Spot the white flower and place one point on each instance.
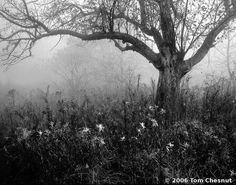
(154, 123)
(100, 127)
(215, 137)
(86, 129)
(151, 108)
(139, 130)
(25, 133)
(162, 111)
(99, 140)
(86, 166)
(47, 132)
(102, 142)
(169, 146)
(51, 124)
(232, 173)
(186, 133)
(40, 132)
(123, 138)
(135, 138)
(186, 145)
(142, 125)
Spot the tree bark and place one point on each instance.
(168, 87)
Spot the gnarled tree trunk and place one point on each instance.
(168, 87)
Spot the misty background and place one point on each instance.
(68, 64)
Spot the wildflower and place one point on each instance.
(51, 124)
(127, 103)
(139, 130)
(66, 125)
(152, 155)
(142, 125)
(166, 172)
(232, 173)
(86, 129)
(25, 133)
(5, 149)
(100, 127)
(169, 146)
(47, 132)
(102, 142)
(151, 108)
(162, 111)
(186, 133)
(40, 132)
(98, 140)
(135, 138)
(215, 137)
(186, 145)
(123, 138)
(154, 123)
(86, 166)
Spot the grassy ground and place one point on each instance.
(115, 140)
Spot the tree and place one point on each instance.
(176, 27)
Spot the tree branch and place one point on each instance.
(150, 32)
(137, 45)
(182, 30)
(208, 42)
(167, 25)
(143, 12)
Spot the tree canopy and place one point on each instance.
(180, 25)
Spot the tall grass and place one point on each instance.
(112, 139)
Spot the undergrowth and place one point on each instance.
(128, 141)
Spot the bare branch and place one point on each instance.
(176, 24)
(208, 42)
(126, 38)
(167, 25)
(126, 48)
(143, 12)
(183, 27)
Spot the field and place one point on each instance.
(113, 139)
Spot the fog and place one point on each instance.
(34, 71)
(43, 68)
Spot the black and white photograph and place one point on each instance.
(117, 92)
